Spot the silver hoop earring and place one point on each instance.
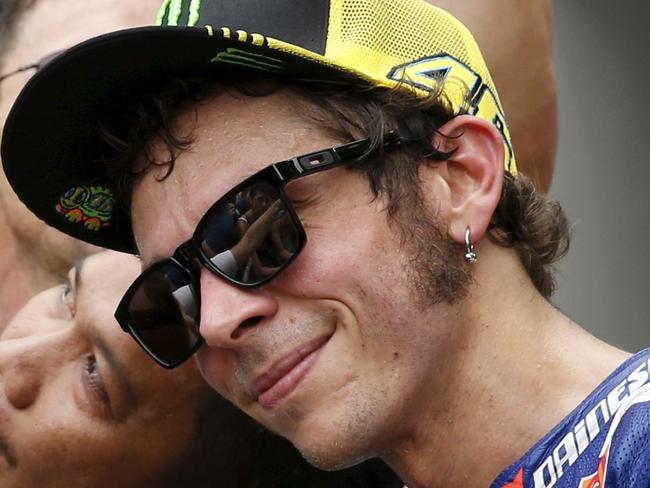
(470, 255)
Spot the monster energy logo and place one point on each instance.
(171, 11)
(249, 60)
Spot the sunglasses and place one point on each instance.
(38, 65)
(248, 237)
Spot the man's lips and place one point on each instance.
(285, 375)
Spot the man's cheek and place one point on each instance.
(323, 267)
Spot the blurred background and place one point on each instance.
(603, 167)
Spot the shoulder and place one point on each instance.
(604, 442)
(627, 447)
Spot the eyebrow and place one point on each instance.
(78, 266)
(119, 371)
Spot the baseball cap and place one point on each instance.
(52, 148)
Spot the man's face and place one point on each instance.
(331, 353)
(47, 27)
(80, 403)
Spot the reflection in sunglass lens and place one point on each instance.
(164, 313)
(250, 235)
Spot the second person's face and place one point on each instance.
(80, 404)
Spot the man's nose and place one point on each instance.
(228, 313)
(27, 362)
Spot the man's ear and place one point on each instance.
(469, 183)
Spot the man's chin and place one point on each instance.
(329, 459)
(334, 450)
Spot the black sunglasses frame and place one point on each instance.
(38, 65)
(189, 253)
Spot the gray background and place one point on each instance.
(603, 168)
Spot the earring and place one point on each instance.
(470, 255)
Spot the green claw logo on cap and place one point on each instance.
(90, 205)
(171, 11)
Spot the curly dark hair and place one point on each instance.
(525, 219)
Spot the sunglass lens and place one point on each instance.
(164, 313)
(250, 236)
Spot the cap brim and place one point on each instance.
(52, 143)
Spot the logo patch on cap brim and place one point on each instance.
(90, 206)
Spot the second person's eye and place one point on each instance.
(94, 387)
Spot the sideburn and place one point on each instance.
(437, 270)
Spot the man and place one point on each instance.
(409, 317)
(82, 405)
(35, 256)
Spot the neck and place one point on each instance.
(520, 367)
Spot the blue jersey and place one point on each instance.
(603, 443)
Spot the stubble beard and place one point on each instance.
(437, 270)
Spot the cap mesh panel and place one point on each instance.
(381, 34)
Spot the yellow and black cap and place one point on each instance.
(52, 148)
